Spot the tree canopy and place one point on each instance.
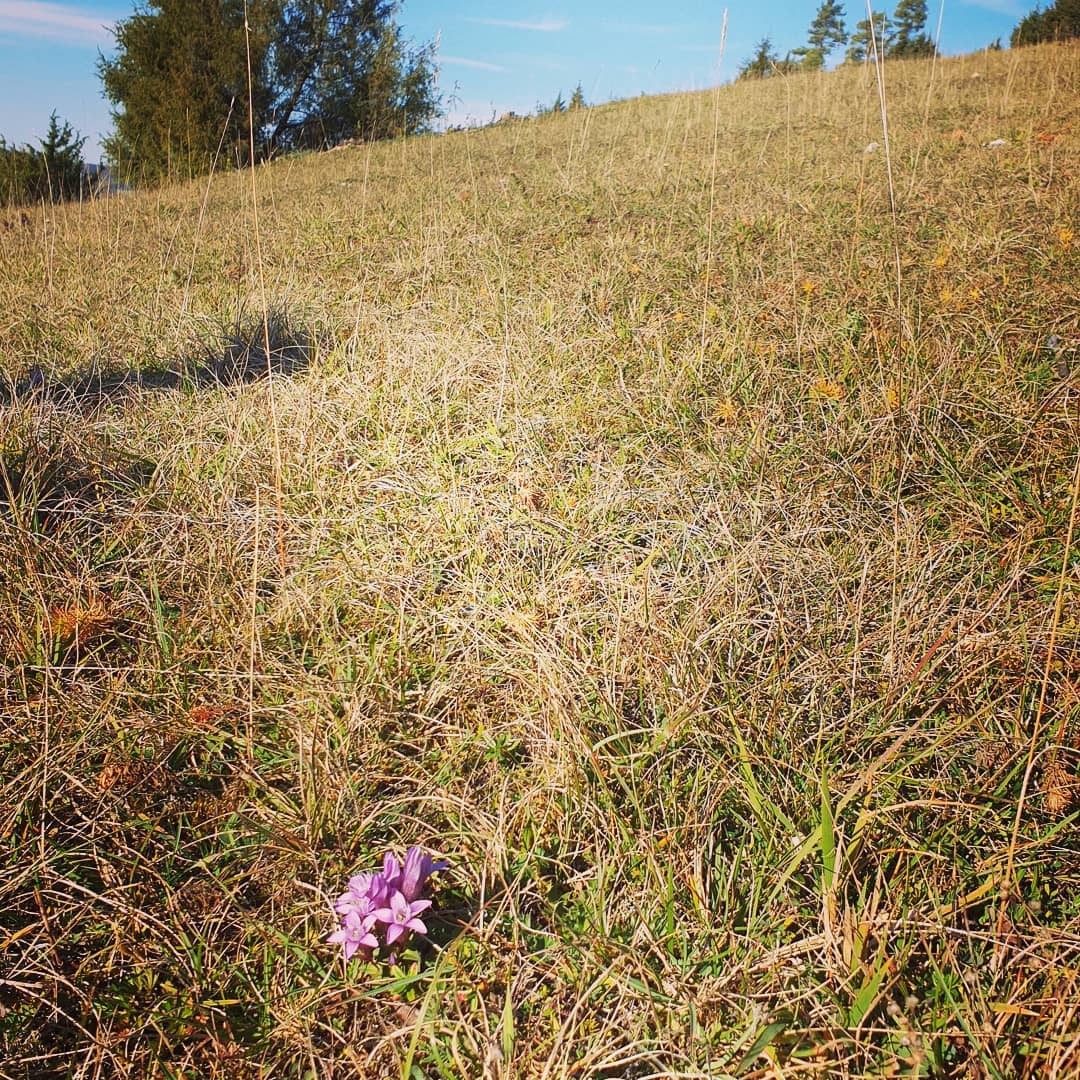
(825, 33)
(762, 64)
(179, 85)
(869, 37)
(321, 71)
(909, 40)
(51, 171)
(341, 69)
(1057, 23)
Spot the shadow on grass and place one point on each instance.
(51, 477)
(53, 469)
(255, 349)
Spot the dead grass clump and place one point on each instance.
(57, 477)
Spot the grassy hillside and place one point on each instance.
(647, 513)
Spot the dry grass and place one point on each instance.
(686, 587)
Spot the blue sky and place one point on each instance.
(494, 56)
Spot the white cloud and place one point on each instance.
(547, 26)
(461, 61)
(33, 18)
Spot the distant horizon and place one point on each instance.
(492, 58)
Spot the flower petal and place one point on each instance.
(359, 883)
(391, 870)
(378, 890)
(414, 873)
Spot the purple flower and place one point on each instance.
(419, 866)
(381, 907)
(391, 870)
(366, 893)
(400, 917)
(355, 933)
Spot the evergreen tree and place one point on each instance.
(826, 32)
(179, 85)
(51, 172)
(762, 64)
(577, 99)
(61, 156)
(909, 39)
(322, 71)
(18, 174)
(1059, 22)
(862, 44)
(341, 69)
(1030, 30)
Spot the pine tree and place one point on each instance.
(179, 85)
(341, 69)
(322, 71)
(862, 43)
(762, 64)
(61, 157)
(577, 99)
(52, 171)
(909, 39)
(826, 32)
(1059, 22)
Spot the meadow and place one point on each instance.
(663, 511)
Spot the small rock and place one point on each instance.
(871, 147)
(995, 144)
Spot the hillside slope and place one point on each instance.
(663, 511)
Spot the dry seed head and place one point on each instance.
(993, 753)
(1059, 789)
(826, 390)
(81, 622)
(727, 410)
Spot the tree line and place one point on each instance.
(199, 83)
(196, 84)
(901, 36)
(1057, 23)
